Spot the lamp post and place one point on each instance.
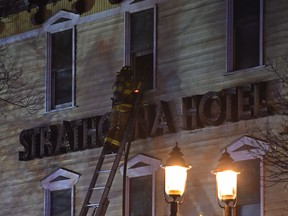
(226, 180)
(175, 179)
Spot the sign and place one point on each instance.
(228, 105)
(210, 109)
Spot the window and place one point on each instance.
(61, 68)
(244, 34)
(140, 171)
(249, 190)
(60, 202)
(60, 60)
(59, 193)
(140, 46)
(248, 195)
(138, 192)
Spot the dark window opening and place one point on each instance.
(248, 188)
(142, 44)
(246, 22)
(143, 65)
(61, 202)
(61, 68)
(63, 86)
(141, 197)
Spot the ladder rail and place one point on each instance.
(84, 208)
(114, 169)
(126, 138)
(101, 208)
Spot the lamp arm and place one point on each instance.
(222, 206)
(219, 204)
(172, 199)
(182, 200)
(235, 202)
(166, 199)
(165, 195)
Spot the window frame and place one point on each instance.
(151, 168)
(50, 27)
(247, 148)
(50, 184)
(133, 8)
(230, 36)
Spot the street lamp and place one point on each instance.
(175, 179)
(226, 179)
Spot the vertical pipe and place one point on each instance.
(174, 208)
(227, 210)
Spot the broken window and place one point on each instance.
(141, 42)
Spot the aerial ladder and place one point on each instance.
(99, 192)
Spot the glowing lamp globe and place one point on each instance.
(226, 179)
(175, 173)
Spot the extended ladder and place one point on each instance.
(99, 208)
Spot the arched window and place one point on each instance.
(60, 60)
(245, 152)
(59, 192)
(141, 171)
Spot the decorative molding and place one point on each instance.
(246, 148)
(123, 7)
(137, 166)
(59, 179)
(60, 21)
(148, 166)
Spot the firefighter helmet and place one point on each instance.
(127, 72)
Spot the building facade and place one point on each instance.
(208, 78)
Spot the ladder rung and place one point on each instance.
(110, 154)
(101, 207)
(103, 171)
(95, 205)
(98, 188)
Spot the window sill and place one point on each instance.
(60, 109)
(247, 70)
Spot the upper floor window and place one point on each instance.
(140, 45)
(60, 60)
(249, 190)
(59, 193)
(244, 34)
(140, 171)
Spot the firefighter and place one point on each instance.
(122, 105)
